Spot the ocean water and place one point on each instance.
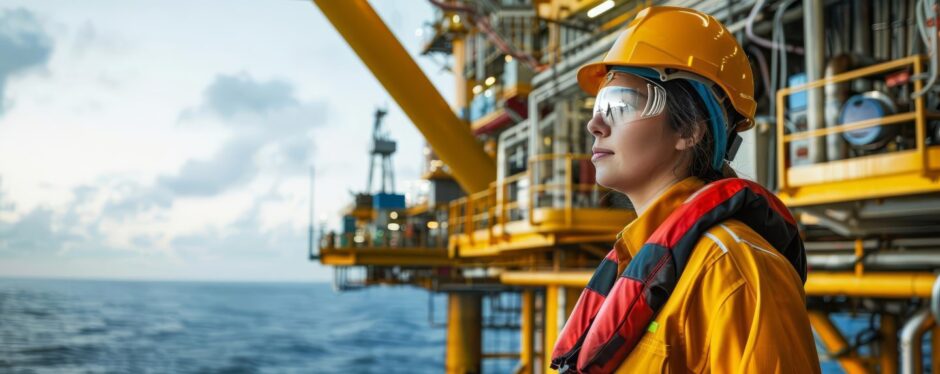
(63, 326)
(66, 326)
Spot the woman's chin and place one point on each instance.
(606, 181)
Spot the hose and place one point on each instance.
(749, 31)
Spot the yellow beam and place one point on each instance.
(385, 256)
(573, 278)
(835, 344)
(464, 333)
(450, 137)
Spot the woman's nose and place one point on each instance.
(597, 127)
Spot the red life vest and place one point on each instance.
(613, 311)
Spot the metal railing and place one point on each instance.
(568, 185)
(410, 234)
(918, 116)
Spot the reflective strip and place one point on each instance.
(739, 240)
(717, 241)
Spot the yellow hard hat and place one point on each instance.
(686, 40)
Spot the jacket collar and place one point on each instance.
(635, 234)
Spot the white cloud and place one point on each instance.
(148, 151)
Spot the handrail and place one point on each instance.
(918, 115)
(491, 209)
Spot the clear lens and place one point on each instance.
(620, 105)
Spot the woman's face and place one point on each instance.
(627, 154)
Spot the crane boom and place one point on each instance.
(388, 60)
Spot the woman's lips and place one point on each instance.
(600, 153)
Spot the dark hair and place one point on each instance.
(686, 112)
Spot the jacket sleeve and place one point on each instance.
(761, 328)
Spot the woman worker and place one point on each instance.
(709, 277)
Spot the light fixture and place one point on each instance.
(393, 227)
(477, 89)
(455, 18)
(490, 80)
(508, 58)
(600, 8)
(433, 225)
(393, 215)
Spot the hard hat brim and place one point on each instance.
(590, 77)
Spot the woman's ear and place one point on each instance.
(689, 141)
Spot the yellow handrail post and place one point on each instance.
(468, 223)
(919, 122)
(568, 187)
(859, 257)
(531, 205)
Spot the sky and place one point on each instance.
(172, 139)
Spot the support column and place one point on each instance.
(551, 326)
(935, 349)
(464, 333)
(527, 331)
(889, 344)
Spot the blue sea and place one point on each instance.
(65, 326)
(69, 326)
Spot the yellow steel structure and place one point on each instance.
(464, 333)
(384, 256)
(835, 344)
(898, 173)
(449, 136)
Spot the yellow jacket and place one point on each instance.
(739, 306)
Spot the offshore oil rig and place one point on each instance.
(511, 223)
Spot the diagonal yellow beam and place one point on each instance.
(449, 136)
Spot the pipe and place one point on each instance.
(815, 53)
(923, 6)
(450, 137)
(883, 285)
(911, 335)
(920, 259)
(818, 283)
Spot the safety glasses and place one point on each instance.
(618, 104)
